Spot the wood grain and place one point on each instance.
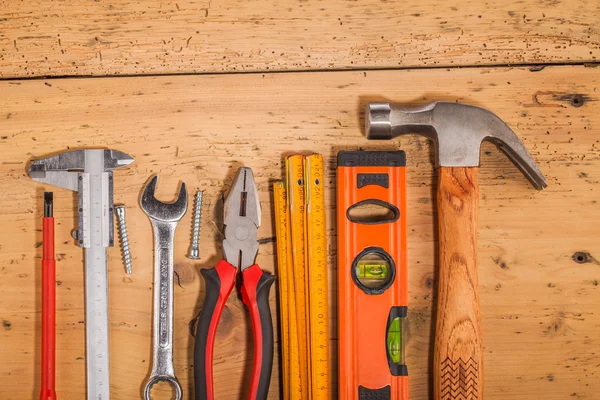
(539, 268)
(458, 349)
(50, 38)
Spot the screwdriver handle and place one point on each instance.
(255, 295)
(219, 283)
(47, 391)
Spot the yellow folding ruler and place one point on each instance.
(295, 186)
(287, 298)
(303, 280)
(317, 276)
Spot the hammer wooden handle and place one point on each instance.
(458, 352)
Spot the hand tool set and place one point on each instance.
(372, 295)
(303, 278)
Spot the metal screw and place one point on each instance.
(124, 239)
(194, 253)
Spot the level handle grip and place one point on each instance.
(255, 295)
(219, 283)
(458, 352)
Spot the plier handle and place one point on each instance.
(240, 247)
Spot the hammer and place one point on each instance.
(457, 131)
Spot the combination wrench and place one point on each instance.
(164, 218)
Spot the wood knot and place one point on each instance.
(226, 322)
(428, 282)
(225, 326)
(457, 260)
(184, 273)
(455, 202)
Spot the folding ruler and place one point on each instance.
(89, 172)
(303, 278)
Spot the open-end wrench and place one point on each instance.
(164, 218)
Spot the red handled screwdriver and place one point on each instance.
(48, 302)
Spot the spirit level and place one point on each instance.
(372, 273)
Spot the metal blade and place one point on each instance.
(242, 219)
(62, 169)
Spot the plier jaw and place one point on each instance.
(242, 219)
(240, 246)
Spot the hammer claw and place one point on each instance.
(456, 130)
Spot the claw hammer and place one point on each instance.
(457, 131)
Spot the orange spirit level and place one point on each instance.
(372, 273)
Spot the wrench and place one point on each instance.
(164, 218)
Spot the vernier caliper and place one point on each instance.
(89, 172)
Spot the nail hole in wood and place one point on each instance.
(577, 100)
(581, 257)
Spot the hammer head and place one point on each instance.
(456, 130)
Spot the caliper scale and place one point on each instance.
(89, 173)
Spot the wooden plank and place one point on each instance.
(539, 306)
(48, 38)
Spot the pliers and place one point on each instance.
(242, 215)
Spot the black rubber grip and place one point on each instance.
(382, 180)
(385, 393)
(213, 288)
(362, 158)
(266, 322)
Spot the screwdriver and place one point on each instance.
(48, 301)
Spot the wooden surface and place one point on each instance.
(92, 37)
(539, 252)
(538, 304)
(458, 351)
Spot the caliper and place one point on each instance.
(89, 173)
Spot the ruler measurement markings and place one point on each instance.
(96, 272)
(295, 176)
(290, 373)
(318, 276)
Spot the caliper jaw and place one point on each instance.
(68, 170)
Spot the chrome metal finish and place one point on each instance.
(194, 252)
(120, 210)
(242, 218)
(456, 130)
(164, 218)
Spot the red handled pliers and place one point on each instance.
(242, 219)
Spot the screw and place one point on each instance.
(124, 239)
(194, 253)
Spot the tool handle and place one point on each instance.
(255, 295)
(219, 283)
(47, 391)
(458, 353)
